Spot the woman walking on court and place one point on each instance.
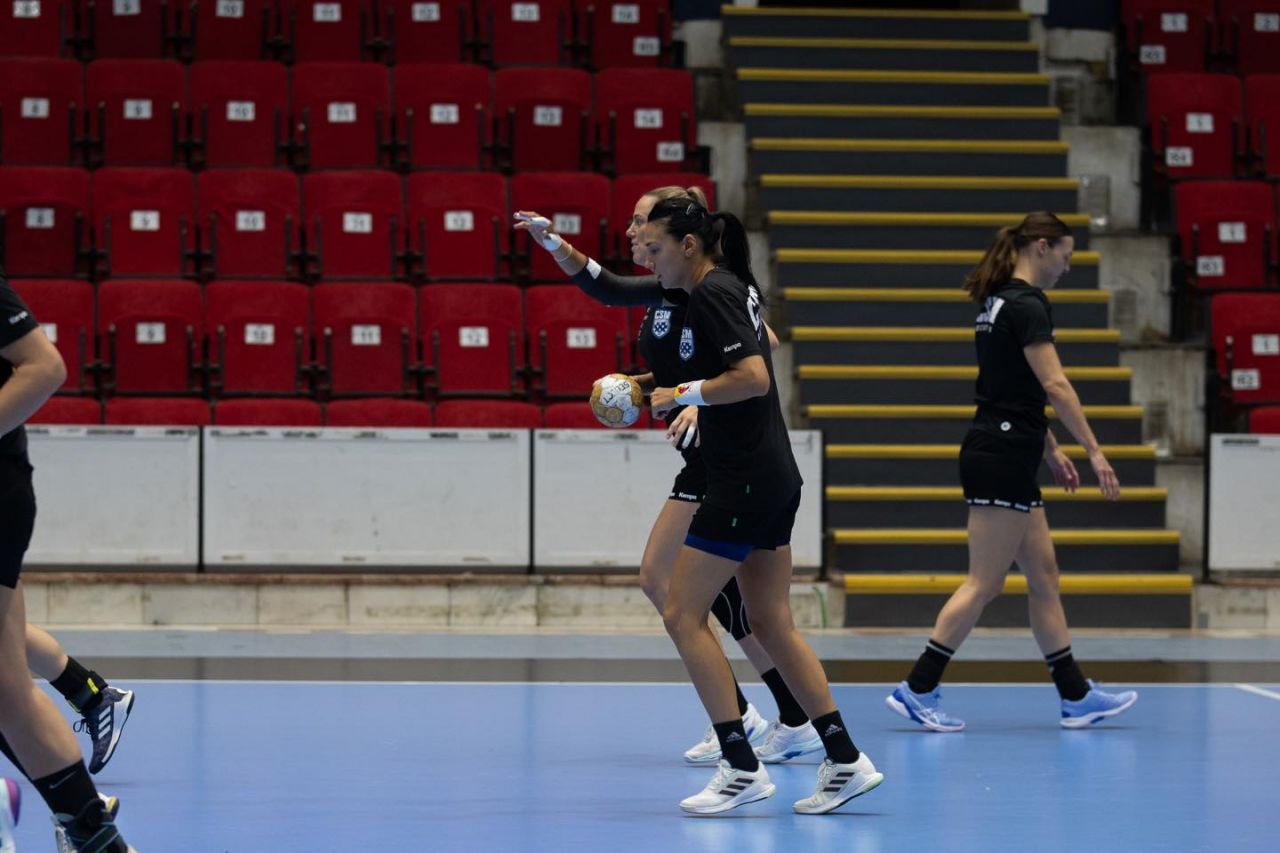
(744, 524)
(791, 735)
(1018, 374)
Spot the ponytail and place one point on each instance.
(735, 251)
(1002, 255)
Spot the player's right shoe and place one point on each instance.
(707, 750)
(728, 789)
(10, 806)
(923, 708)
(783, 743)
(104, 725)
(93, 830)
(840, 783)
(1095, 707)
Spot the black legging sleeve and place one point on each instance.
(613, 289)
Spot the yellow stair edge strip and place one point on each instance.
(844, 75)
(918, 14)
(902, 256)
(955, 493)
(941, 371)
(922, 294)
(952, 451)
(885, 44)
(889, 410)
(960, 536)
(888, 111)
(927, 220)
(1028, 147)
(930, 333)
(925, 182)
(885, 584)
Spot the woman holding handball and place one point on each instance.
(791, 735)
(753, 492)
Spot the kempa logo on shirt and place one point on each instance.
(18, 318)
(732, 347)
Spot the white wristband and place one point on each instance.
(690, 393)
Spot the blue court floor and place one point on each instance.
(266, 767)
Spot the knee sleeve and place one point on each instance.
(730, 611)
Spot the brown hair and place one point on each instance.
(997, 264)
(682, 193)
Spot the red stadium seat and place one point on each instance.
(446, 112)
(1168, 35)
(135, 108)
(1195, 124)
(523, 32)
(1245, 332)
(377, 412)
(573, 340)
(431, 31)
(258, 336)
(238, 113)
(249, 221)
(142, 219)
(543, 118)
(578, 204)
(343, 110)
(330, 30)
(364, 338)
(1251, 34)
(157, 411)
(148, 335)
(43, 220)
(1265, 420)
(68, 410)
(235, 30)
(472, 338)
(1263, 105)
(35, 28)
(644, 119)
(40, 103)
(626, 33)
(260, 412)
(1227, 232)
(460, 224)
(356, 221)
(131, 29)
(64, 308)
(627, 191)
(488, 414)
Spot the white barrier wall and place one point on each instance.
(353, 498)
(115, 496)
(1244, 503)
(597, 492)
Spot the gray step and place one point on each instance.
(922, 88)
(922, 157)
(944, 506)
(906, 306)
(875, 23)
(882, 54)
(817, 229)
(843, 121)
(917, 194)
(932, 465)
(939, 424)
(896, 268)
(921, 345)
(823, 383)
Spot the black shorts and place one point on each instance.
(734, 534)
(999, 472)
(17, 516)
(691, 483)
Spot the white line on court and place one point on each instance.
(1249, 688)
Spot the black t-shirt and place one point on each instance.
(1010, 398)
(16, 321)
(745, 445)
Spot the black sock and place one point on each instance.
(67, 791)
(928, 670)
(82, 688)
(789, 711)
(835, 738)
(1067, 676)
(734, 745)
(8, 753)
(742, 700)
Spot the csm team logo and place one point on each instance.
(686, 344)
(661, 322)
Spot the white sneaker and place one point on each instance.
(707, 750)
(783, 743)
(840, 783)
(728, 789)
(10, 806)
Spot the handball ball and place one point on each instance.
(616, 400)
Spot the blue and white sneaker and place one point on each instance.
(707, 750)
(1095, 707)
(923, 708)
(10, 806)
(783, 743)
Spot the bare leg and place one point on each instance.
(696, 581)
(45, 655)
(1044, 603)
(994, 537)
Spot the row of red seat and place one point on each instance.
(1245, 334)
(1200, 126)
(289, 412)
(596, 33)
(248, 223)
(344, 115)
(159, 336)
(1191, 35)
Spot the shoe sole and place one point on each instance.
(901, 709)
(729, 805)
(794, 752)
(116, 733)
(1096, 717)
(870, 785)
